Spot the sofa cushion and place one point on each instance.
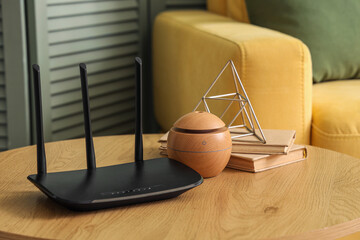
(217, 6)
(191, 47)
(330, 28)
(235, 9)
(336, 116)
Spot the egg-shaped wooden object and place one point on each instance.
(201, 141)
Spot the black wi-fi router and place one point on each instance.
(96, 188)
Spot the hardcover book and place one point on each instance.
(261, 162)
(277, 142)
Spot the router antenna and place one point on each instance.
(138, 127)
(90, 153)
(41, 157)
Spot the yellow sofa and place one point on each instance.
(191, 47)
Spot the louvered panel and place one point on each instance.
(97, 55)
(3, 144)
(56, 24)
(2, 79)
(89, 7)
(2, 105)
(95, 79)
(123, 128)
(92, 44)
(2, 118)
(104, 35)
(192, 4)
(102, 101)
(98, 125)
(3, 115)
(96, 114)
(56, 2)
(3, 130)
(2, 92)
(92, 32)
(92, 67)
(104, 89)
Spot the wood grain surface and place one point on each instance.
(314, 199)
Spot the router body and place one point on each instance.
(97, 188)
(118, 185)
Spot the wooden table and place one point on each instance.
(315, 199)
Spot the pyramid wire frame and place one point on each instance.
(242, 100)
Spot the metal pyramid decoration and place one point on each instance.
(245, 115)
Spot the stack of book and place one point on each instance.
(248, 154)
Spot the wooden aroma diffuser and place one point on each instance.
(201, 141)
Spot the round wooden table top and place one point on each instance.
(317, 198)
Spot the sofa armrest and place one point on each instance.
(191, 47)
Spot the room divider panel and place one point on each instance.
(57, 35)
(14, 95)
